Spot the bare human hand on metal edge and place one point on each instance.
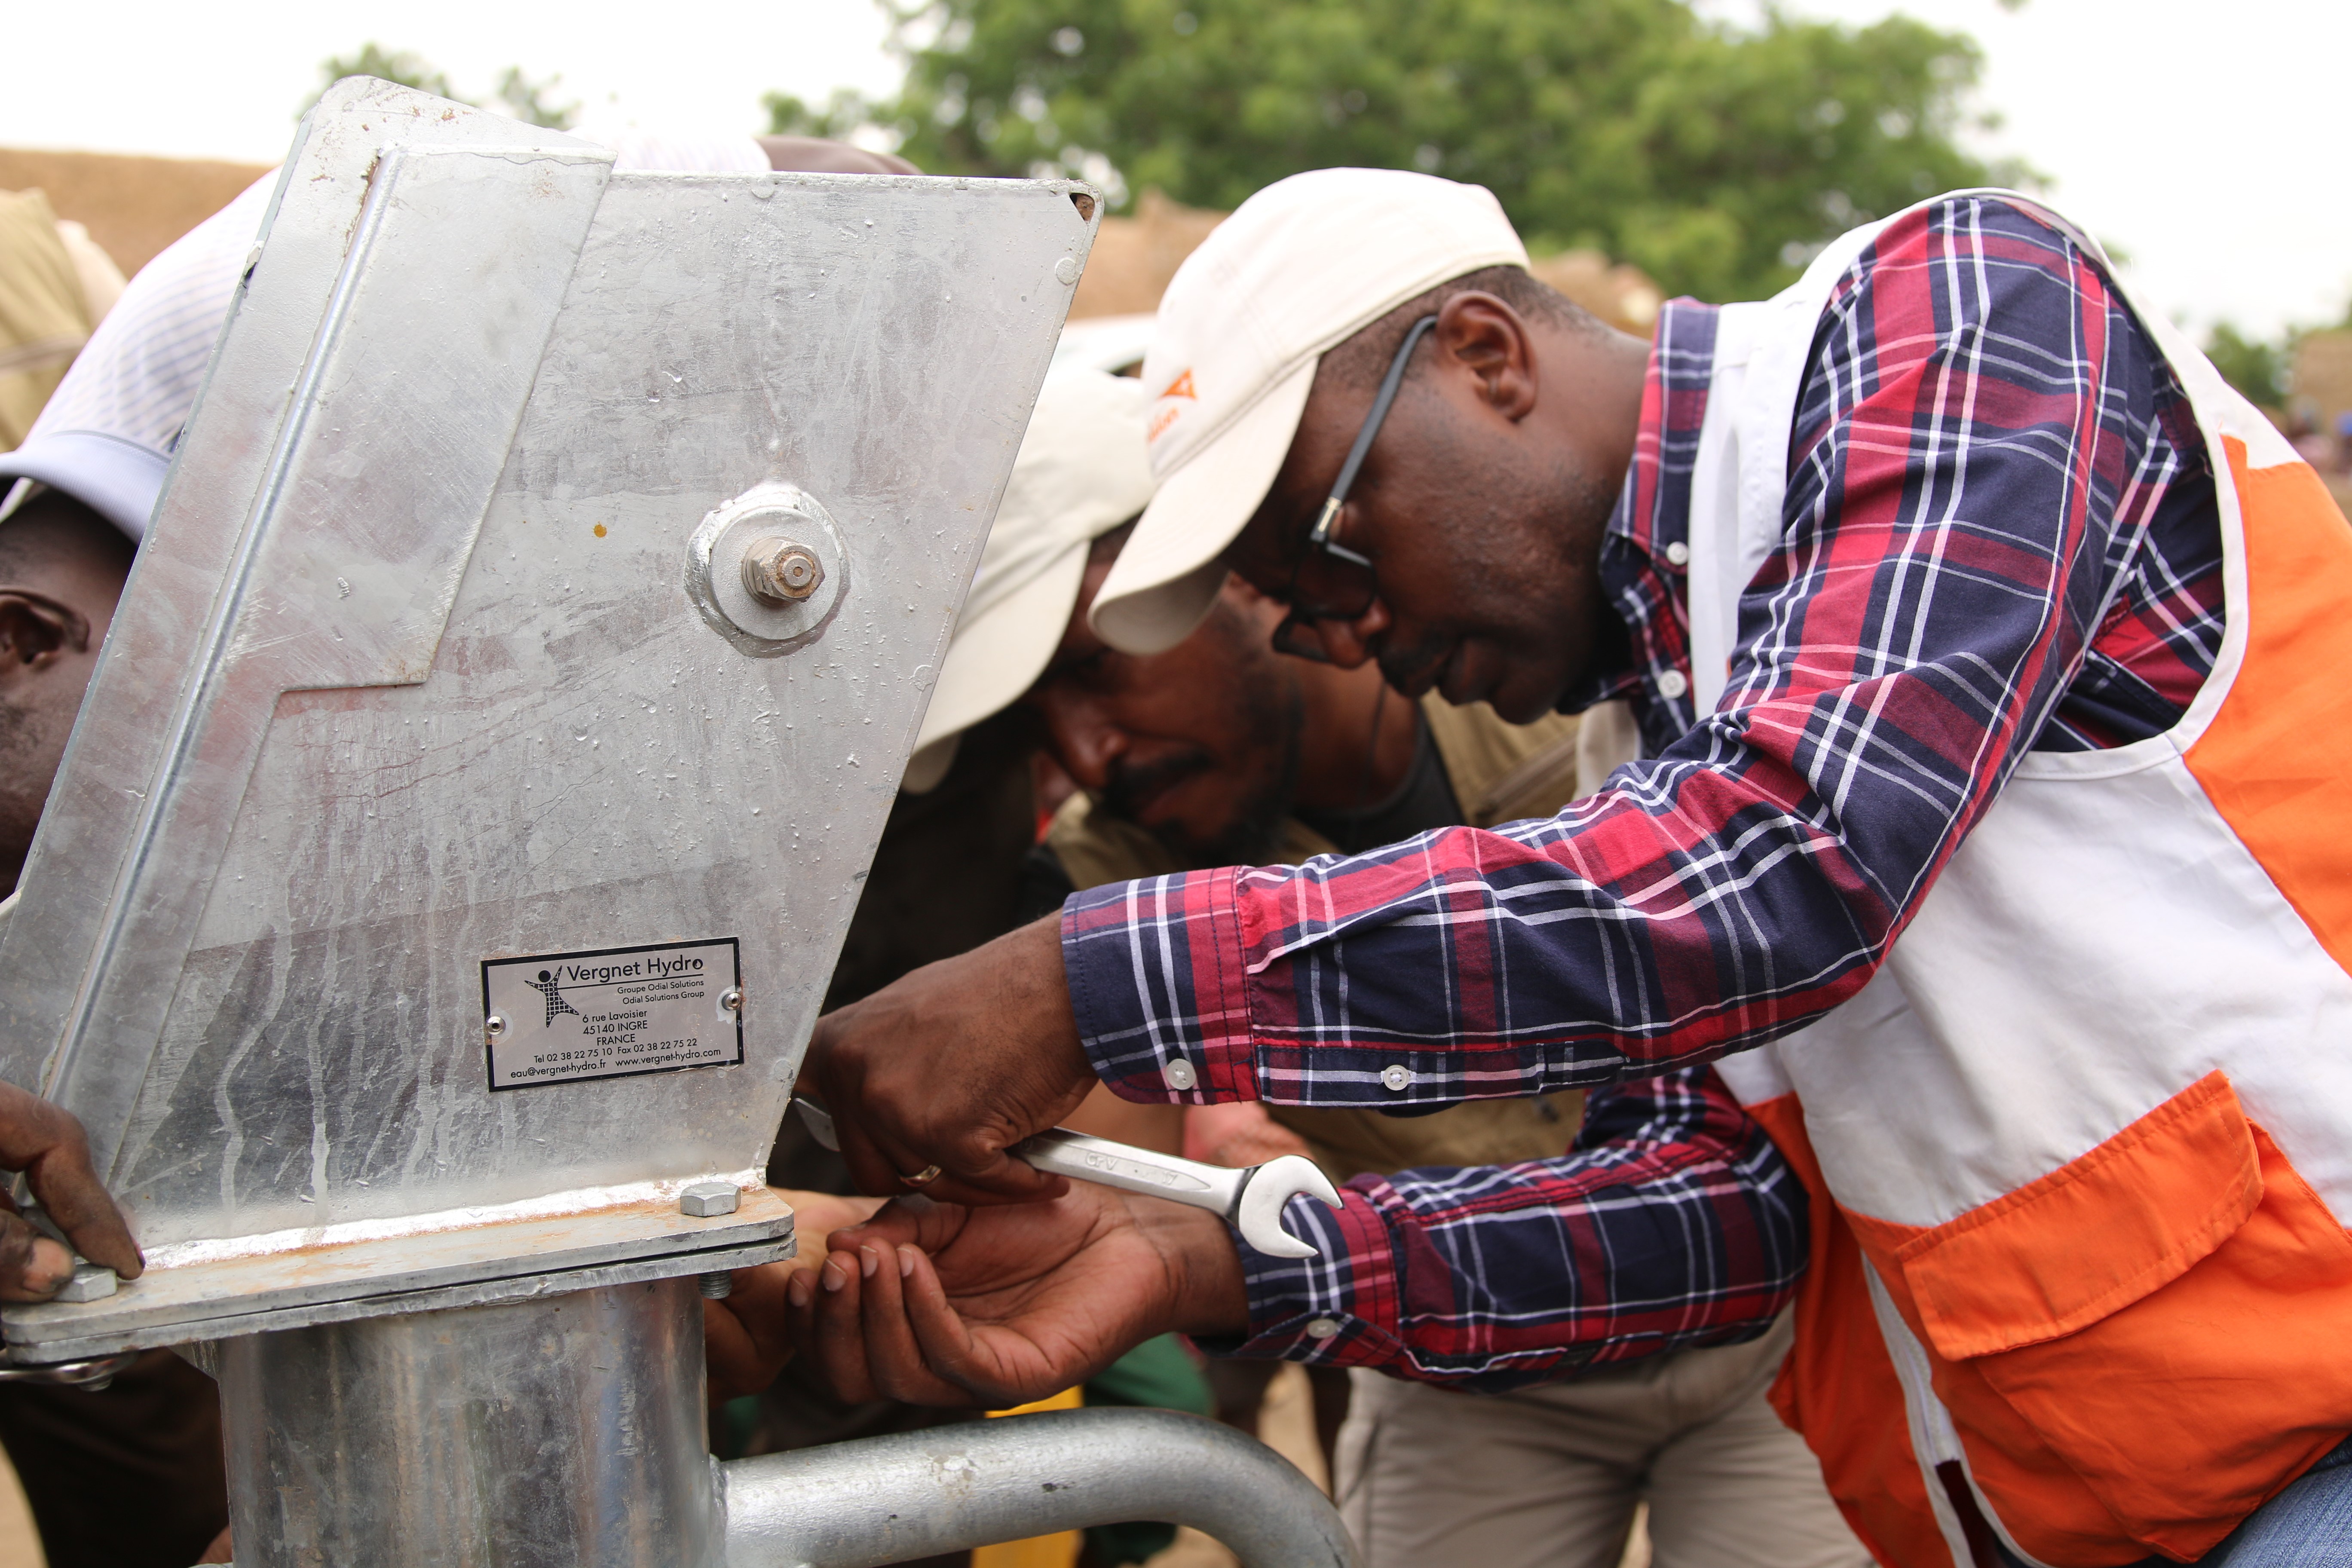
(48, 1146)
(953, 1065)
(933, 1303)
(745, 1339)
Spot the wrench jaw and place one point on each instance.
(1256, 1212)
(818, 1122)
(1269, 1190)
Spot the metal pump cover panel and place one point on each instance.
(441, 654)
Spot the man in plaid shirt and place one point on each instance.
(1675, 1223)
(1510, 524)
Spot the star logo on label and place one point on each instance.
(547, 986)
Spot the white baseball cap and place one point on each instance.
(1080, 473)
(107, 433)
(1300, 267)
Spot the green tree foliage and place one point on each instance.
(2256, 368)
(1715, 158)
(390, 64)
(518, 97)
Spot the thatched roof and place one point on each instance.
(133, 206)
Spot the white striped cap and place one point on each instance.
(108, 432)
(107, 436)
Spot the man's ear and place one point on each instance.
(1486, 337)
(37, 631)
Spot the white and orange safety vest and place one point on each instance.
(2080, 1152)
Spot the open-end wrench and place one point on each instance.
(1251, 1200)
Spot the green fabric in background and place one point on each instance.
(731, 1425)
(1158, 1375)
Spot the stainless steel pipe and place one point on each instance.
(558, 1433)
(916, 1494)
(568, 1432)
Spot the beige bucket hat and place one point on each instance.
(1081, 472)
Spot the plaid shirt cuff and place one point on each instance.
(1156, 986)
(1336, 1309)
(1673, 1223)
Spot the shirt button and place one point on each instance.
(1672, 684)
(1180, 1074)
(1397, 1076)
(1678, 554)
(1321, 1328)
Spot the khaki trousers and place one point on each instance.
(1549, 1477)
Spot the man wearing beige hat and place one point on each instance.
(1220, 747)
(1972, 940)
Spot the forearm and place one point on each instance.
(1207, 1294)
(1473, 964)
(1674, 1222)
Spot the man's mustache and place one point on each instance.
(1413, 670)
(1132, 785)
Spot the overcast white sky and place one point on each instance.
(2208, 142)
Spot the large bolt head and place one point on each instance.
(90, 1282)
(782, 572)
(707, 1200)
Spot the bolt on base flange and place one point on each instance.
(90, 1282)
(704, 1200)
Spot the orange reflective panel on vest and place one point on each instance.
(2080, 1153)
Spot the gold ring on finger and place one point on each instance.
(922, 1178)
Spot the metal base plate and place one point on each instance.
(499, 1261)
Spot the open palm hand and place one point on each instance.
(933, 1303)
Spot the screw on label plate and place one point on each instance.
(731, 999)
(495, 1024)
(781, 571)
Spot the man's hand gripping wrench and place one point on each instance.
(1249, 1200)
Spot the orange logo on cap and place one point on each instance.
(1182, 387)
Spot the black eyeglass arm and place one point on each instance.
(1321, 534)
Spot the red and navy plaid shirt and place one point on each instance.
(2000, 535)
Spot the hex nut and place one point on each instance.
(90, 1282)
(704, 1200)
(782, 572)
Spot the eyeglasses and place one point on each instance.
(1331, 582)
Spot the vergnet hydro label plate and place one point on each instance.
(614, 1012)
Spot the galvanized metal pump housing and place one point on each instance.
(471, 801)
